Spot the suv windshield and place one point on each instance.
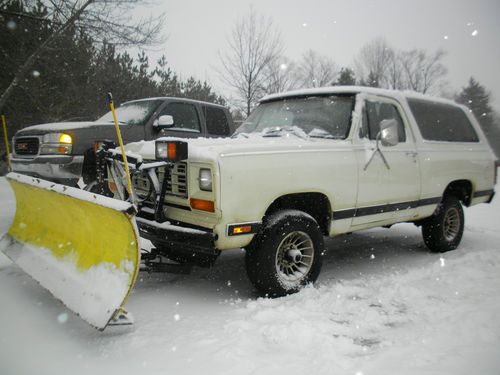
(317, 117)
(133, 113)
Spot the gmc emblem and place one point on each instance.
(22, 146)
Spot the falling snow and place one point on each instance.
(11, 25)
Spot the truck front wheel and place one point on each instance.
(443, 231)
(286, 254)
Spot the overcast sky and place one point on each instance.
(469, 31)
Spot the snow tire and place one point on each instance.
(443, 231)
(286, 255)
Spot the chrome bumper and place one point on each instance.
(50, 167)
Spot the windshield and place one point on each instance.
(317, 117)
(133, 113)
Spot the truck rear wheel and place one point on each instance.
(443, 231)
(286, 255)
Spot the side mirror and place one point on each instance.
(165, 121)
(389, 132)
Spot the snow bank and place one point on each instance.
(7, 206)
(383, 305)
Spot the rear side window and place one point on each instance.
(217, 123)
(442, 122)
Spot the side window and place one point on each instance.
(373, 113)
(185, 116)
(216, 121)
(442, 122)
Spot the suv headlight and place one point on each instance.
(56, 143)
(205, 179)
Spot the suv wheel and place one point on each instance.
(443, 231)
(286, 255)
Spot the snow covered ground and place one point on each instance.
(383, 305)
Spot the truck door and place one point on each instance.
(389, 176)
(186, 118)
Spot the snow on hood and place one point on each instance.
(203, 149)
(61, 126)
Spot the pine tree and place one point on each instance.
(475, 96)
(346, 77)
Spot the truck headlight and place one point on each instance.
(205, 179)
(56, 143)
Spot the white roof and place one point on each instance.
(174, 98)
(357, 89)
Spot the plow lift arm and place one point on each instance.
(111, 179)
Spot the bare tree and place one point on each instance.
(394, 73)
(315, 70)
(254, 44)
(373, 61)
(422, 72)
(280, 76)
(102, 19)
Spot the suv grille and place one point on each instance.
(26, 146)
(178, 181)
(176, 186)
(143, 187)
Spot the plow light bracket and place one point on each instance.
(172, 151)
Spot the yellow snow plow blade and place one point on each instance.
(80, 246)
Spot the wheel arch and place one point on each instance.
(313, 203)
(462, 189)
(89, 166)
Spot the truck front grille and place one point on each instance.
(143, 187)
(26, 146)
(178, 184)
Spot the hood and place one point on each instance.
(203, 149)
(60, 127)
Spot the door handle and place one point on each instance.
(412, 153)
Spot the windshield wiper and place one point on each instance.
(324, 136)
(321, 133)
(235, 135)
(272, 132)
(278, 131)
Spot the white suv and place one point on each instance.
(314, 163)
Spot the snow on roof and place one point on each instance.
(355, 90)
(173, 98)
(60, 126)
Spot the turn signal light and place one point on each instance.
(112, 187)
(202, 205)
(242, 230)
(171, 151)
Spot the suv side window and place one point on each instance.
(442, 122)
(217, 123)
(185, 116)
(373, 113)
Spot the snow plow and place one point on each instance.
(82, 247)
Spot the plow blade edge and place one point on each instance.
(82, 247)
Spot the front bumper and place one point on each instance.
(179, 243)
(53, 168)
